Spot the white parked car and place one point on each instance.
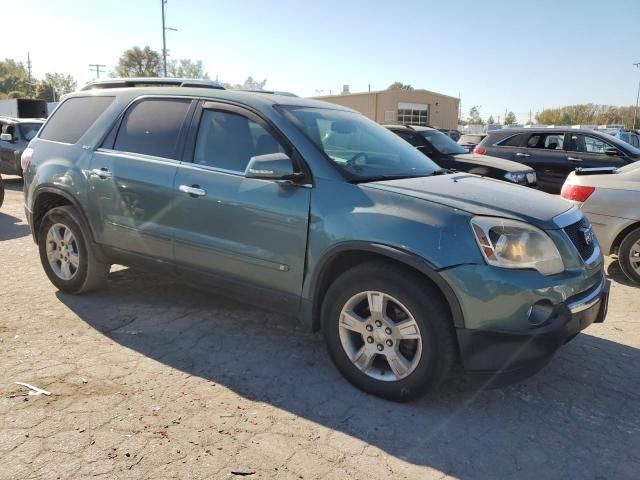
(610, 198)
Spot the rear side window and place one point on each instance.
(152, 127)
(548, 141)
(73, 117)
(514, 141)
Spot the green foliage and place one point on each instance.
(61, 83)
(16, 94)
(139, 62)
(44, 91)
(491, 120)
(474, 116)
(249, 84)
(587, 114)
(510, 119)
(186, 68)
(399, 86)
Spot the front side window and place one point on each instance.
(548, 141)
(73, 117)
(360, 148)
(413, 138)
(588, 144)
(152, 127)
(228, 140)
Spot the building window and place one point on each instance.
(389, 115)
(413, 114)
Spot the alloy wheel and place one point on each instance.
(380, 336)
(62, 251)
(634, 257)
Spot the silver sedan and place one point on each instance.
(610, 198)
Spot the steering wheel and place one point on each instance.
(351, 163)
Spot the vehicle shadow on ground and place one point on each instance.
(614, 272)
(578, 418)
(12, 227)
(13, 183)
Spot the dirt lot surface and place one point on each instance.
(152, 379)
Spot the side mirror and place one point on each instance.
(272, 166)
(6, 137)
(612, 152)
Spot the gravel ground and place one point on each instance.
(152, 379)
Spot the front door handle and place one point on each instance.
(102, 173)
(522, 154)
(574, 159)
(193, 190)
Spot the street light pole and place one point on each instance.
(635, 113)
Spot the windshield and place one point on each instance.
(362, 149)
(29, 130)
(442, 143)
(624, 145)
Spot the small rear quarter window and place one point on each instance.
(73, 117)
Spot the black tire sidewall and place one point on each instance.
(623, 255)
(426, 306)
(63, 216)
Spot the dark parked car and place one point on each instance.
(555, 152)
(440, 148)
(15, 135)
(313, 210)
(470, 140)
(1, 191)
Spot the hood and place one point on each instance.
(489, 161)
(481, 196)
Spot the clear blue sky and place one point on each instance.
(496, 54)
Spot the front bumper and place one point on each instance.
(503, 356)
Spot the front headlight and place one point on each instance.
(516, 177)
(512, 244)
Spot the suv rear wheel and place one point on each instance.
(629, 255)
(66, 255)
(388, 331)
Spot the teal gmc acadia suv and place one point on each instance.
(315, 211)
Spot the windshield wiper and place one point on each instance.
(379, 178)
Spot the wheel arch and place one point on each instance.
(615, 245)
(349, 254)
(45, 198)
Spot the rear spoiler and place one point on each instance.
(595, 170)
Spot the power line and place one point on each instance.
(95, 67)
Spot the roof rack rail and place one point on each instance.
(151, 82)
(268, 92)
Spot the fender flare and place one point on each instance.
(311, 291)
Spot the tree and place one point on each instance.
(61, 83)
(185, 68)
(510, 119)
(139, 62)
(13, 78)
(44, 91)
(587, 114)
(399, 86)
(474, 116)
(251, 84)
(490, 120)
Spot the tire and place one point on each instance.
(629, 255)
(85, 272)
(430, 356)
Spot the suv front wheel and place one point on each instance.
(388, 331)
(66, 255)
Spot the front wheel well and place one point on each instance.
(346, 260)
(615, 246)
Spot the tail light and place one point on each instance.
(25, 159)
(576, 193)
(480, 150)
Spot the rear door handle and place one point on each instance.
(102, 173)
(194, 190)
(574, 159)
(522, 155)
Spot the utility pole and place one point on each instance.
(164, 38)
(29, 74)
(635, 114)
(95, 67)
